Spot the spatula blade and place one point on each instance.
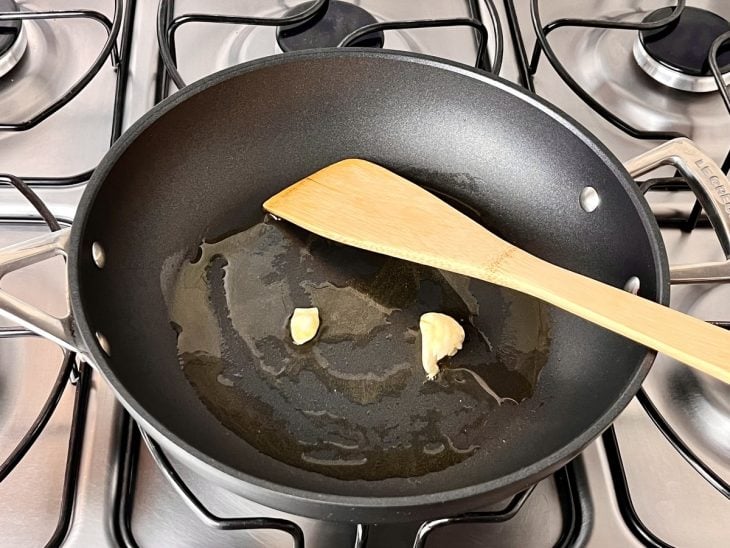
(362, 204)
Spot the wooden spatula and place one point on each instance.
(364, 205)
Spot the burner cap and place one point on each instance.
(9, 30)
(12, 38)
(676, 55)
(328, 29)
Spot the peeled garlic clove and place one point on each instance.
(441, 336)
(304, 324)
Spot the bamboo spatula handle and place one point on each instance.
(361, 204)
(687, 339)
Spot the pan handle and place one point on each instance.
(20, 255)
(712, 188)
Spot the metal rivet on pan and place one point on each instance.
(97, 253)
(589, 199)
(632, 285)
(104, 343)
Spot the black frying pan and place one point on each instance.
(198, 167)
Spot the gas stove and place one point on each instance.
(75, 73)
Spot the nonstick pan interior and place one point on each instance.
(199, 168)
(355, 402)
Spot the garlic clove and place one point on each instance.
(304, 324)
(441, 336)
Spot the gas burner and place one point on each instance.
(12, 38)
(677, 55)
(327, 29)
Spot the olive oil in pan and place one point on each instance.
(353, 403)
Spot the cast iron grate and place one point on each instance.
(109, 50)
(69, 370)
(616, 466)
(527, 70)
(570, 482)
(167, 25)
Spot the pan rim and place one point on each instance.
(275, 494)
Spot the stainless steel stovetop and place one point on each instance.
(631, 487)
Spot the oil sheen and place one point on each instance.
(354, 402)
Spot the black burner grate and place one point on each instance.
(527, 72)
(108, 50)
(543, 45)
(570, 482)
(719, 46)
(124, 499)
(683, 46)
(167, 26)
(326, 30)
(80, 376)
